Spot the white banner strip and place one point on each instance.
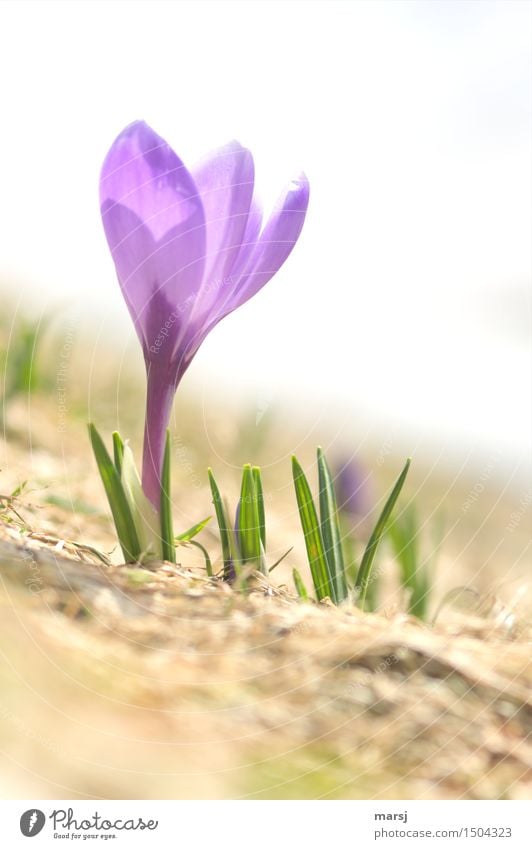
(266, 825)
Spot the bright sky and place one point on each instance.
(410, 287)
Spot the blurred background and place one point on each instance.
(412, 121)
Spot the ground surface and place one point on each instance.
(158, 682)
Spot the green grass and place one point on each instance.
(327, 552)
(244, 542)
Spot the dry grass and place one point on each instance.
(119, 682)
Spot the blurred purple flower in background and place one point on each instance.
(189, 248)
(351, 487)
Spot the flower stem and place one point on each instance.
(159, 399)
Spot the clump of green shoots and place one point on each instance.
(333, 576)
(244, 542)
(143, 532)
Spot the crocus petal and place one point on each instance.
(142, 172)
(196, 332)
(129, 254)
(155, 226)
(249, 240)
(262, 259)
(225, 181)
(260, 256)
(276, 240)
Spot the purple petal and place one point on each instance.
(262, 258)
(225, 181)
(223, 304)
(249, 240)
(142, 172)
(351, 485)
(155, 226)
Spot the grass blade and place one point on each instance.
(403, 539)
(125, 528)
(118, 451)
(415, 573)
(167, 527)
(186, 536)
(248, 523)
(299, 585)
(208, 564)
(257, 478)
(312, 533)
(376, 536)
(145, 517)
(223, 526)
(330, 530)
(235, 571)
(282, 557)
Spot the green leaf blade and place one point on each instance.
(257, 478)
(118, 451)
(377, 534)
(223, 526)
(208, 564)
(193, 531)
(146, 518)
(301, 589)
(123, 519)
(248, 528)
(415, 574)
(311, 533)
(167, 527)
(330, 530)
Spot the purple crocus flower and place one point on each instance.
(351, 485)
(189, 248)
